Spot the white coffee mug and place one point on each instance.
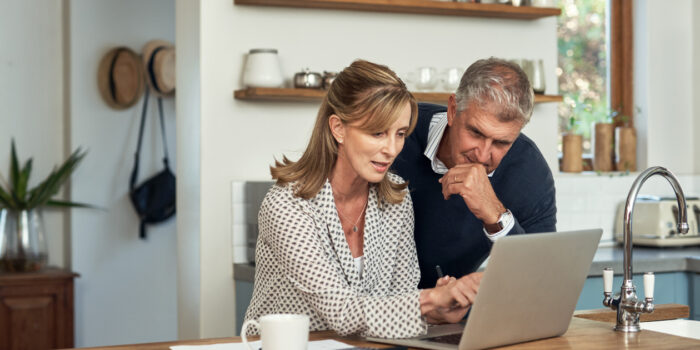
(280, 331)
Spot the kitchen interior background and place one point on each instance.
(178, 283)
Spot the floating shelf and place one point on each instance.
(314, 95)
(426, 7)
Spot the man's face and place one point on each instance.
(477, 136)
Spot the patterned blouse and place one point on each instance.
(304, 266)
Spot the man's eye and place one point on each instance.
(475, 133)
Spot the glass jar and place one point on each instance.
(22, 240)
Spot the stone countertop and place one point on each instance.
(657, 260)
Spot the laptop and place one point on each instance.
(529, 291)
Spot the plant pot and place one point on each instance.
(572, 149)
(22, 240)
(625, 148)
(603, 151)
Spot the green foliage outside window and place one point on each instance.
(583, 65)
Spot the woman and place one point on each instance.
(336, 230)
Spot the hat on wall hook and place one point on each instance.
(120, 77)
(159, 65)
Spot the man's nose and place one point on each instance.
(483, 153)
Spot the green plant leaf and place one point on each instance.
(64, 204)
(6, 200)
(51, 185)
(21, 188)
(14, 171)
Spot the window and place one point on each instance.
(594, 65)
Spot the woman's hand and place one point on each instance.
(450, 299)
(443, 315)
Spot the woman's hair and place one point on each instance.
(364, 89)
(498, 81)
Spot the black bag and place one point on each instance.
(154, 199)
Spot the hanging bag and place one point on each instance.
(154, 199)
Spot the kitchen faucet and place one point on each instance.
(628, 307)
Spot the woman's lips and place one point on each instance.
(380, 166)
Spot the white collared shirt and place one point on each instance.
(436, 129)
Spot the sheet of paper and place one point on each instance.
(313, 345)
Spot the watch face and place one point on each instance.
(504, 219)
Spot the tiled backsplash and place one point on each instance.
(583, 201)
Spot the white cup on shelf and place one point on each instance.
(262, 69)
(280, 331)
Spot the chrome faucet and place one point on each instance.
(628, 307)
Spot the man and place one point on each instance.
(473, 176)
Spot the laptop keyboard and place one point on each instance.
(447, 339)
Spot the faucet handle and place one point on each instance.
(608, 280)
(649, 285)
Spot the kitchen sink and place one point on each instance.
(680, 327)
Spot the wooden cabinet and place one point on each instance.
(36, 309)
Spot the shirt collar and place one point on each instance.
(438, 124)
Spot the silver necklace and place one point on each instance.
(354, 227)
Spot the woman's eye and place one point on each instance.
(402, 134)
(378, 134)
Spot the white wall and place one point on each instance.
(664, 84)
(696, 89)
(127, 289)
(31, 96)
(188, 182)
(239, 138)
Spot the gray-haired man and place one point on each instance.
(473, 176)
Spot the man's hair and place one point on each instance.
(495, 81)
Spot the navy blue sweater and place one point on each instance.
(447, 233)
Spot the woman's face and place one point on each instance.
(369, 156)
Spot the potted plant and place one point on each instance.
(626, 143)
(572, 148)
(603, 140)
(22, 238)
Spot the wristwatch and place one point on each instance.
(503, 221)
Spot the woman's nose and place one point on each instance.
(392, 146)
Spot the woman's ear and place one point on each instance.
(337, 128)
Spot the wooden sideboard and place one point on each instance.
(36, 309)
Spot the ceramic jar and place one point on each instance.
(262, 69)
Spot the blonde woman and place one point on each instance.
(336, 230)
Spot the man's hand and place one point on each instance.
(471, 182)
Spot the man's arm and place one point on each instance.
(471, 182)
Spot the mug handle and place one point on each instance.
(244, 328)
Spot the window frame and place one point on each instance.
(622, 61)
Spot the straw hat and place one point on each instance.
(159, 65)
(120, 77)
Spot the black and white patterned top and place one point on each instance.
(304, 266)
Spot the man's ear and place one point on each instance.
(451, 109)
(337, 128)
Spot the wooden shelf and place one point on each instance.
(314, 95)
(427, 7)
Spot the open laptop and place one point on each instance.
(529, 291)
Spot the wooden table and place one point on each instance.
(582, 334)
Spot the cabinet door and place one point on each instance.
(32, 322)
(35, 317)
